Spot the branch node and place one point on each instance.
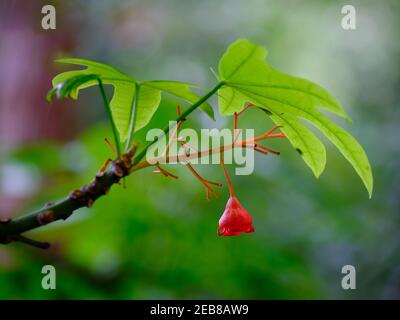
(76, 194)
(99, 175)
(90, 203)
(84, 195)
(117, 169)
(5, 220)
(49, 204)
(46, 217)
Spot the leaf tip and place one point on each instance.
(317, 172)
(370, 190)
(348, 119)
(368, 179)
(50, 94)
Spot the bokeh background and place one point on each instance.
(157, 238)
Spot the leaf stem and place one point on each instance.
(110, 117)
(188, 111)
(132, 117)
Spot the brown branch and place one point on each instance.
(10, 230)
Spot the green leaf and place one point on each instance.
(304, 141)
(288, 100)
(50, 94)
(181, 90)
(147, 103)
(123, 101)
(124, 89)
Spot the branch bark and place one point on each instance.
(10, 230)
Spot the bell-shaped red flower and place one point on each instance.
(235, 219)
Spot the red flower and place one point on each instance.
(235, 219)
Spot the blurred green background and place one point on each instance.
(158, 238)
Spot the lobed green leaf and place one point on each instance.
(288, 100)
(123, 104)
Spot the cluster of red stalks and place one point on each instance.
(191, 153)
